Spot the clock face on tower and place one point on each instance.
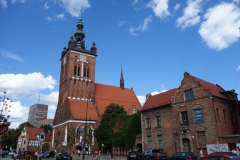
(83, 58)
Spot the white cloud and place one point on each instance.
(190, 14)
(20, 85)
(60, 16)
(141, 99)
(11, 55)
(237, 1)
(238, 68)
(50, 115)
(135, 1)
(120, 23)
(14, 1)
(220, 28)
(160, 8)
(141, 27)
(74, 6)
(46, 6)
(4, 3)
(177, 6)
(156, 92)
(49, 18)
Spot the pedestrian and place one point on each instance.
(15, 155)
(130, 150)
(234, 151)
(201, 155)
(99, 152)
(36, 155)
(78, 153)
(108, 154)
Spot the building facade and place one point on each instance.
(82, 101)
(38, 124)
(37, 112)
(196, 115)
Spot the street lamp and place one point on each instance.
(90, 96)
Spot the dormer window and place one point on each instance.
(188, 94)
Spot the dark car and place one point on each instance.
(48, 154)
(28, 153)
(221, 157)
(183, 156)
(63, 156)
(133, 155)
(154, 154)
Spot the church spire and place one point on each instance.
(79, 34)
(121, 80)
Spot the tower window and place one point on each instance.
(78, 70)
(84, 72)
(88, 72)
(75, 70)
(74, 81)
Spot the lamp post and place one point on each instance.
(92, 99)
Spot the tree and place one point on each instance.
(57, 140)
(70, 137)
(46, 128)
(112, 114)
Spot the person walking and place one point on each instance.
(36, 155)
(201, 155)
(15, 155)
(234, 151)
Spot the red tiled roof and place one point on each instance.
(159, 99)
(32, 132)
(105, 95)
(78, 110)
(215, 90)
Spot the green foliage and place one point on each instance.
(112, 114)
(70, 136)
(46, 128)
(57, 140)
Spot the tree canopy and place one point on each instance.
(46, 128)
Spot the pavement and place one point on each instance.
(76, 157)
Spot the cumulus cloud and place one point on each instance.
(190, 14)
(11, 55)
(238, 68)
(236, 1)
(220, 28)
(60, 16)
(160, 8)
(20, 85)
(177, 6)
(49, 18)
(4, 3)
(120, 23)
(156, 92)
(74, 6)
(46, 6)
(141, 27)
(141, 99)
(14, 1)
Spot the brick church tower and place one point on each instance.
(77, 76)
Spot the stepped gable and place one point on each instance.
(160, 99)
(215, 90)
(33, 132)
(105, 95)
(78, 110)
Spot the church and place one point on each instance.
(81, 100)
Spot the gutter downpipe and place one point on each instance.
(212, 97)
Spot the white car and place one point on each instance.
(11, 153)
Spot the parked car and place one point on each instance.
(183, 156)
(133, 155)
(48, 154)
(221, 157)
(224, 153)
(11, 153)
(154, 154)
(28, 153)
(63, 156)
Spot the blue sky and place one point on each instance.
(155, 40)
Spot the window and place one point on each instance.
(78, 70)
(74, 81)
(225, 116)
(218, 115)
(198, 115)
(88, 72)
(148, 123)
(201, 139)
(84, 72)
(149, 140)
(75, 70)
(184, 117)
(189, 95)
(160, 142)
(24, 142)
(90, 134)
(158, 121)
(232, 118)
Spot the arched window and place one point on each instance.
(79, 132)
(75, 70)
(78, 70)
(65, 137)
(88, 72)
(84, 71)
(186, 145)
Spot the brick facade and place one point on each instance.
(194, 118)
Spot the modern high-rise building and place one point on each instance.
(37, 112)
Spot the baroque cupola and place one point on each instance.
(80, 35)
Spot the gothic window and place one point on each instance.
(232, 118)
(188, 95)
(78, 70)
(75, 70)
(148, 123)
(225, 116)
(160, 142)
(88, 72)
(84, 71)
(184, 116)
(80, 132)
(149, 141)
(75, 81)
(198, 115)
(158, 121)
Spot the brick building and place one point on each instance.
(195, 115)
(80, 96)
(38, 124)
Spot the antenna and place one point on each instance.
(38, 99)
